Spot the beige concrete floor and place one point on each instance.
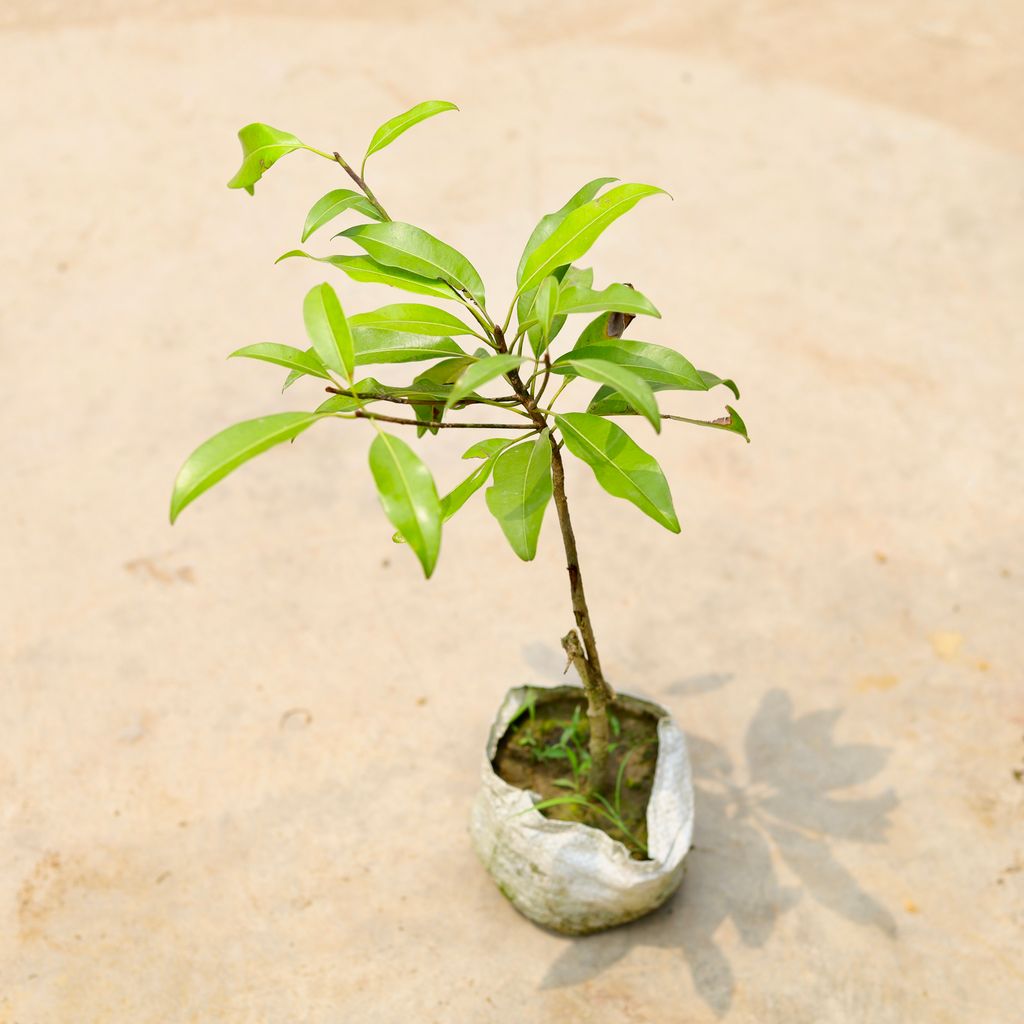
(236, 757)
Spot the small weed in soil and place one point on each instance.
(545, 749)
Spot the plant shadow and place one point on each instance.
(781, 804)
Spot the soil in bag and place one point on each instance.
(544, 750)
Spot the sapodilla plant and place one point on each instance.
(524, 460)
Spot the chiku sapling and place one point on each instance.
(523, 463)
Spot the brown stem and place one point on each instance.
(598, 699)
(364, 188)
(370, 396)
(588, 664)
(360, 414)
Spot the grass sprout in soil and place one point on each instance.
(545, 749)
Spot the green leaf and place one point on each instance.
(462, 492)
(604, 328)
(661, 367)
(608, 403)
(218, 456)
(526, 313)
(526, 303)
(439, 376)
(544, 308)
(620, 465)
(616, 298)
(409, 496)
(369, 271)
(262, 147)
(579, 230)
(489, 449)
(302, 363)
(410, 248)
(713, 381)
(339, 403)
(328, 329)
(334, 204)
(521, 492)
(296, 374)
(369, 389)
(374, 346)
(390, 130)
(480, 372)
(732, 423)
(542, 232)
(633, 388)
(414, 318)
(446, 371)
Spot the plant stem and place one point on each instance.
(585, 658)
(361, 182)
(370, 396)
(361, 415)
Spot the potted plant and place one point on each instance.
(585, 811)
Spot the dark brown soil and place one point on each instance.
(521, 762)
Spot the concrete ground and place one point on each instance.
(236, 756)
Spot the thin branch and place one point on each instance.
(547, 376)
(431, 424)
(499, 403)
(361, 182)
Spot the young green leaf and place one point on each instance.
(609, 403)
(488, 450)
(549, 222)
(544, 309)
(616, 298)
(711, 380)
(632, 387)
(479, 373)
(661, 367)
(339, 403)
(333, 205)
(429, 416)
(410, 248)
(489, 447)
(604, 328)
(526, 306)
(409, 496)
(521, 492)
(218, 456)
(328, 329)
(463, 491)
(302, 363)
(438, 377)
(580, 229)
(413, 318)
(620, 465)
(262, 147)
(370, 389)
(374, 346)
(369, 271)
(390, 130)
(732, 423)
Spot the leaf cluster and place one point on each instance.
(462, 354)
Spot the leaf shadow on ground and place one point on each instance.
(780, 805)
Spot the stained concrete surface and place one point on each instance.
(236, 757)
